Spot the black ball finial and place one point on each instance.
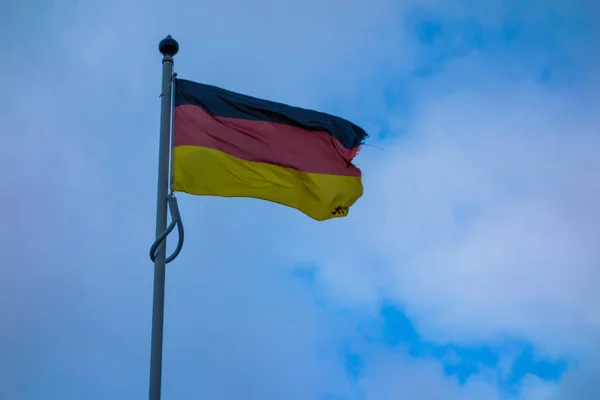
(168, 46)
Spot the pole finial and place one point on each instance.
(168, 46)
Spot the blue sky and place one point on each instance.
(467, 271)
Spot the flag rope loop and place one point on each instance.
(175, 221)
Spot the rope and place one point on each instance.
(168, 85)
(175, 221)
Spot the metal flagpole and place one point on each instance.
(168, 48)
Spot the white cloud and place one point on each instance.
(581, 382)
(486, 215)
(395, 376)
(481, 220)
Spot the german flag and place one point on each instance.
(232, 145)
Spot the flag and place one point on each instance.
(232, 145)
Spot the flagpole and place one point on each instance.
(168, 47)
